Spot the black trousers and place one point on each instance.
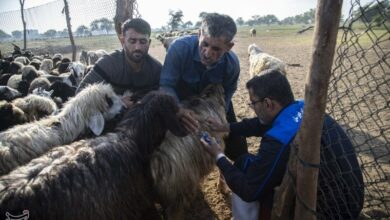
(234, 145)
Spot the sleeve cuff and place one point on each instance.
(219, 156)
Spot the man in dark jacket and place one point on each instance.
(132, 68)
(252, 178)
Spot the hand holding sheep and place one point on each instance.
(189, 120)
(217, 126)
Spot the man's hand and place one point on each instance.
(211, 145)
(128, 102)
(216, 126)
(189, 120)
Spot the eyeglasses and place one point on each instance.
(253, 103)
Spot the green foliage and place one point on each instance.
(176, 19)
(103, 24)
(3, 34)
(50, 33)
(16, 34)
(240, 21)
(377, 12)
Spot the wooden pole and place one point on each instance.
(283, 207)
(24, 24)
(325, 36)
(125, 9)
(70, 33)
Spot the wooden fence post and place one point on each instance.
(325, 36)
(125, 9)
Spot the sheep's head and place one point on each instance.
(36, 107)
(253, 49)
(96, 104)
(211, 102)
(150, 118)
(10, 115)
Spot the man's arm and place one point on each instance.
(252, 176)
(91, 78)
(230, 83)
(170, 72)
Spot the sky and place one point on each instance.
(156, 12)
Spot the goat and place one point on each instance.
(86, 111)
(179, 164)
(99, 178)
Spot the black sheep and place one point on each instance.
(101, 178)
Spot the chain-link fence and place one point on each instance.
(51, 16)
(359, 97)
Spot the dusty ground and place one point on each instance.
(293, 49)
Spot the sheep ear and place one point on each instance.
(96, 123)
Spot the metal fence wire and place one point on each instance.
(359, 98)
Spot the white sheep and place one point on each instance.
(93, 56)
(86, 111)
(179, 164)
(47, 65)
(259, 61)
(36, 107)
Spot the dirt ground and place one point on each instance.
(210, 203)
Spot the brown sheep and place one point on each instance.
(180, 164)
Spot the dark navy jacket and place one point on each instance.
(254, 177)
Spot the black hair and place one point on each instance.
(271, 84)
(138, 24)
(218, 25)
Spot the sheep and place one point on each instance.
(4, 78)
(62, 90)
(36, 107)
(259, 61)
(10, 115)
(87, 111)
(252, 31)
(46, 66)
(91, 57)
(39, 82)
(29, 73)
(179, 164)
(16, 82)
(22, 59)
(16, 67)
(98, 178)
(8, 94)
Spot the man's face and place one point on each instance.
(259, 107)
(212, 49)
(136, 45)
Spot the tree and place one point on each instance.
(240, 21)
(378, 12)
(106, 25)
(176, 19)
(103, 24)
(16, 34)
(82, 30)
(50, 33)
(187, 25)
(4, 35)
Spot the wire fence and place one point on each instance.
(49, 16)
(359, 98)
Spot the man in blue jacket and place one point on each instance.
(253, 178)
(193, 62)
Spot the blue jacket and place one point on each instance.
(254, 177)
(183, 74)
